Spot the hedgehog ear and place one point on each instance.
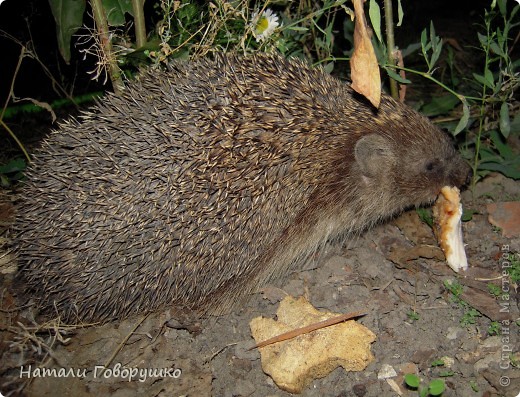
(373, 155)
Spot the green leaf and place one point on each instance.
(467, 214)
(68, 15)
(400, 13)
(509, 169)
(437, 48)
(436, 387)
(513, 13)
(397, 77)
(329, 67)
(329, 35)
(411, 49)
(425, 215)
(432, 33)
(490, 81)
(437, 363)
(502, 7)
(14, 165)
(479, 78)
(115, 11)
(464, 119)
(488, 156)
(474, 386)
(496, 49)
(424, 41)
(483, 39)
(412, 380)
(486, 80)
(375, 18)
(502, 147)
(505, 122)
(446, 374)
(297, 28)
(507, 162)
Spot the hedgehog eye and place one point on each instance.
(431, 165)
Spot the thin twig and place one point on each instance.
(309, 328)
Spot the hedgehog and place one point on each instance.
(205, 181)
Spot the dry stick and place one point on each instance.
(106, 45)
(188, 39)
(123, 342)
(11, 88)
(56, 86)
(309, 328)
(514, 43)
(11, 94)
(18, 142)
(402, 73)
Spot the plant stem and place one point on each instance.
(482, 109)
(140, 28)
(106, 45)
(390, 44)
(428, 76)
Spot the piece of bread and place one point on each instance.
(447, 213)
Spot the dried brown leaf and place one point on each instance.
(364, 67)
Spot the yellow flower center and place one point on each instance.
(262, 25)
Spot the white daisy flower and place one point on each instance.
(263, 25)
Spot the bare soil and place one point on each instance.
(395, 273)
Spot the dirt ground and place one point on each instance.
(395, 273)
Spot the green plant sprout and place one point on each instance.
(470, 317)
(446, 374)
(471, 314)
(425, 214)
(455, 288)
(437, 363)
(494, 328)
(413, 315)
(514, 270)
(494, 290)
(474, 386)
(440, 363)
(435, 388)
(515, 362)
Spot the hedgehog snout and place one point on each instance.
(461, 174)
